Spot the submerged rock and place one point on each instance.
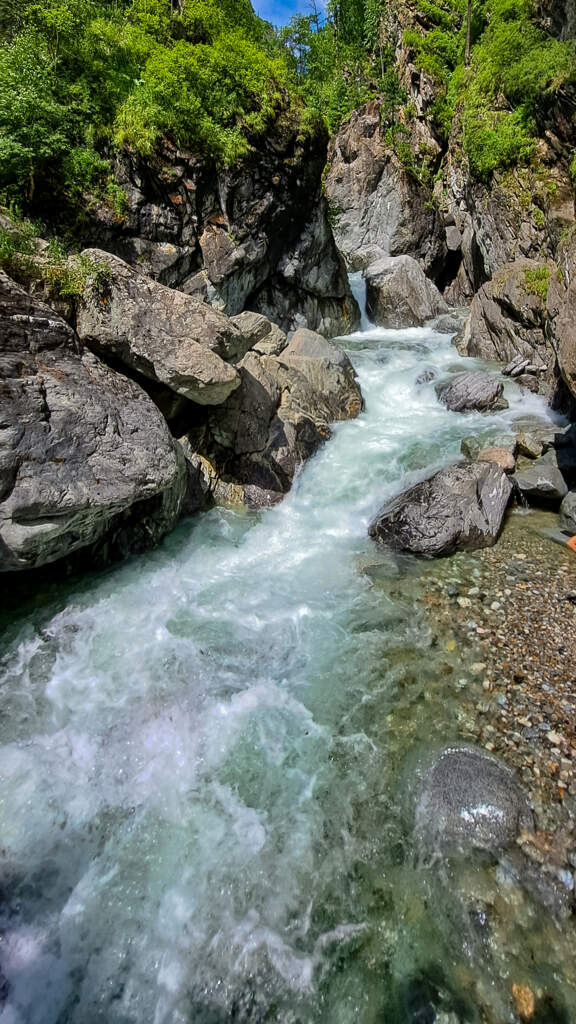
(398, 293)
(472, 446)
(85, 455)
(477, 391)
(460, 508)
(465, 799)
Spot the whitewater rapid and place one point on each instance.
(193, 744)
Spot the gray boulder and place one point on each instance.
(460, 508)
(477, 391)
(568, 514)
(465, 799)
(86, 459)
(398, 293)
(252, 445)
(546, 478)
(265, 337)
(163, 334)
(327, 370)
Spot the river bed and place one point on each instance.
(202, 754)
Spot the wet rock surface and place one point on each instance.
(467, 799)
(543, 479)
(459, 508)
(250, 447)
(472, 391)
(398, 293)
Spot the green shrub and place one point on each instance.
(536, 282)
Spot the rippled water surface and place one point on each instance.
(199, 761)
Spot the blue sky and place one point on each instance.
(279, 12)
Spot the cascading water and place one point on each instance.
(198, 819)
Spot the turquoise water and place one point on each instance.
(199, 753)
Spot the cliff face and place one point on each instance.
(254, 237)
(378, 207)
(397, 187)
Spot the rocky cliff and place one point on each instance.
(398, 186)
(254, 237)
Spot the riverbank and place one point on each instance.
(509, 613)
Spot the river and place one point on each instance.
(200, 754)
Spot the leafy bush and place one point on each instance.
(536, 282)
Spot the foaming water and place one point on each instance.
(195, 824)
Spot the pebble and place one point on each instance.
(524, 1002)
(464, 602)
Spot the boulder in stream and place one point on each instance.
(398, 293)
(465, 799)
(474, 390)
(250, 447)
(459, 508)
(545, 479)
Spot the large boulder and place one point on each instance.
(328, 371)
(477, 391)
(398, 293)
(459, 508)
(163, 334)
(547, 479)
(86, 458)
(250, 448)
(464, 799)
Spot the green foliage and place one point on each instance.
(80, 77)
(65, 276)
(536, 282)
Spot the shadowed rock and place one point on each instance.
(252, 445)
